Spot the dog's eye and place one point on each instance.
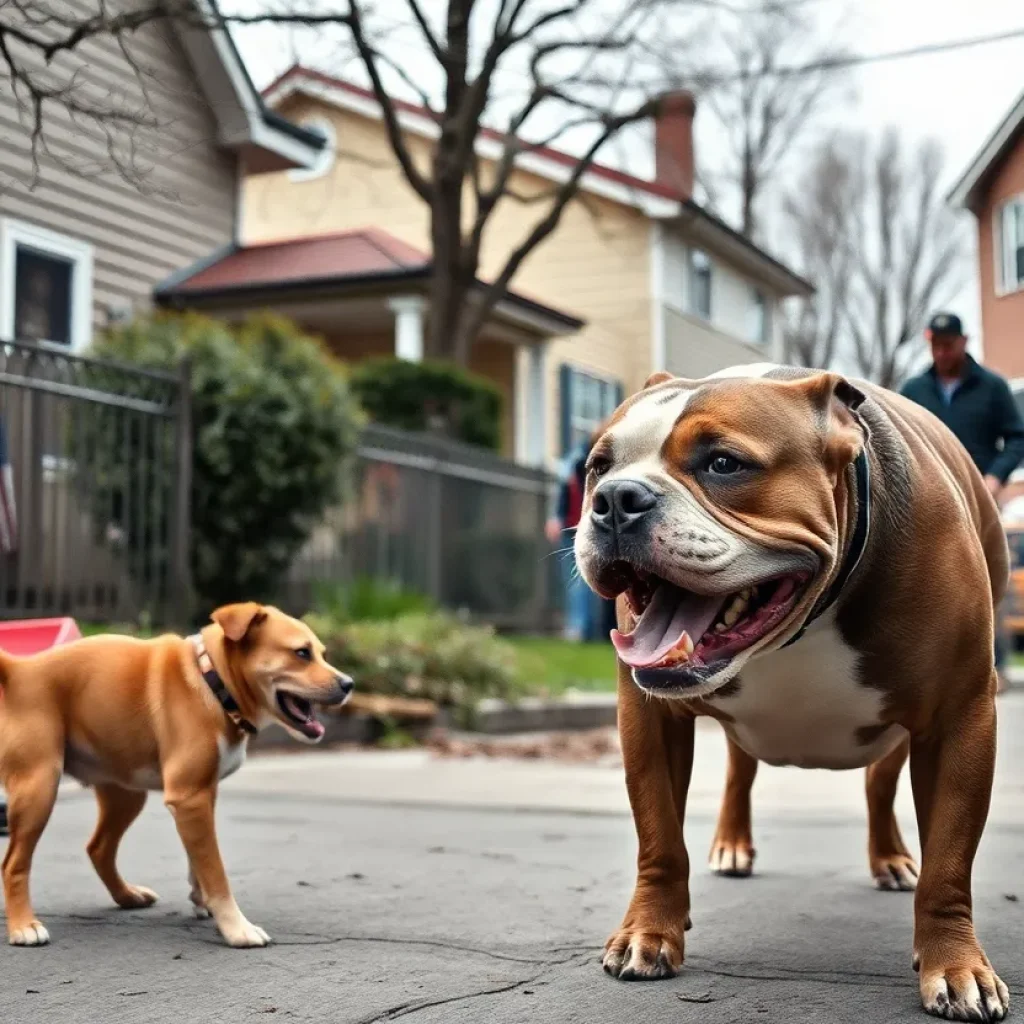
(305, 653)
(599, 465)
(724, 465)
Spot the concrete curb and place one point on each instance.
(575, 711)
(571, 713)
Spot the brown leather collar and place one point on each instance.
(216, 684)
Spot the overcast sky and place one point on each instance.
(958, 97)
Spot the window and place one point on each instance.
(587, 400)
(45, 286)
(700, 284)
(759, 319)
(325, 158)
(1010, 245)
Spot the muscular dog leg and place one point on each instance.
(892, 865)
(732, 852)
(951, 771)
(657, 748)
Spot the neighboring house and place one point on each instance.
(647, 279)
(109, 213)
(992, 188)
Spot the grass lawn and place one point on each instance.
(556, 666)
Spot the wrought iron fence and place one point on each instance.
(100, 477)
(445, 519)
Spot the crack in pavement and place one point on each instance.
(407, 1009)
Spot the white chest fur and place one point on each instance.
(231, 756)
(803, 705)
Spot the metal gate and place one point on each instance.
(97, 481)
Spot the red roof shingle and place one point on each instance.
(348, 254)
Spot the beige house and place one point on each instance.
(637, 276)
(107, 214)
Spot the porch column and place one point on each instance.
(408, 310)
(536, 406)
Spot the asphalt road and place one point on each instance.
(449, 910)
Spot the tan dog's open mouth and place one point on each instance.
(300, 713)
(685, 633)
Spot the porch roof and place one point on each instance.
(349, 263)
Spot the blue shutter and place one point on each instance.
(620, 395)
(565, 375)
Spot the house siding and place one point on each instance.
(1002, 316)
(177, 201)
(595, 265)
(693, 348)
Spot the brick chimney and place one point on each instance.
(673, 143)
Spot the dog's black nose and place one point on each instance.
(618, 505)
(344, 684)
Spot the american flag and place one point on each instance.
(8, 508)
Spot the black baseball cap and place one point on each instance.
(946, 323)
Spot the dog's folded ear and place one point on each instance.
(836, 401)
(657, 378)
(237, 619)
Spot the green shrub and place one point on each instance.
(274, 423)
(367, 599)
(435, 656)
(430, 397)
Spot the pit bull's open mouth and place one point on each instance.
(679, 629)
(299, 712)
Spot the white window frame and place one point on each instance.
(760, 300)
(324, 161)
(1005, 256)
(50, 243)
(584, 424)
(693, 257)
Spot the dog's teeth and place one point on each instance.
(687, 645)
(721, 627)
(731, 615)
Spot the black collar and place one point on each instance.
(216, 684)
(858, 542)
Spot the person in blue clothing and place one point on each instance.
(976, 404)
(587, 616)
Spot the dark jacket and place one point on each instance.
(982, 413)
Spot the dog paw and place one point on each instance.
(135, 897)
(895, 873)
(33, 934)
(973, 994)
(201, 912)
(732, 859)
(245, 935)
(642, 956)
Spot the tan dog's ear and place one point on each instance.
(237, 619)
(657, 378)
(836, 400)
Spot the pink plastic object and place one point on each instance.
(29, 636)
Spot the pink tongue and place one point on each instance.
(315, 728)
(671, 613)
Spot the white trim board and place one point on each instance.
(16, 232)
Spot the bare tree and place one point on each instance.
(875, 236)
(762, 110)
(534, 72)
(816, 220)
(910, 259)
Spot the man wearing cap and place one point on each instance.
(975, 403)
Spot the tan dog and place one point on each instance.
(126, 716)
(813, 564)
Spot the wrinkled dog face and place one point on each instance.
(282, 660)
(713, 506)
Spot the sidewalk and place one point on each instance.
(450, 891)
